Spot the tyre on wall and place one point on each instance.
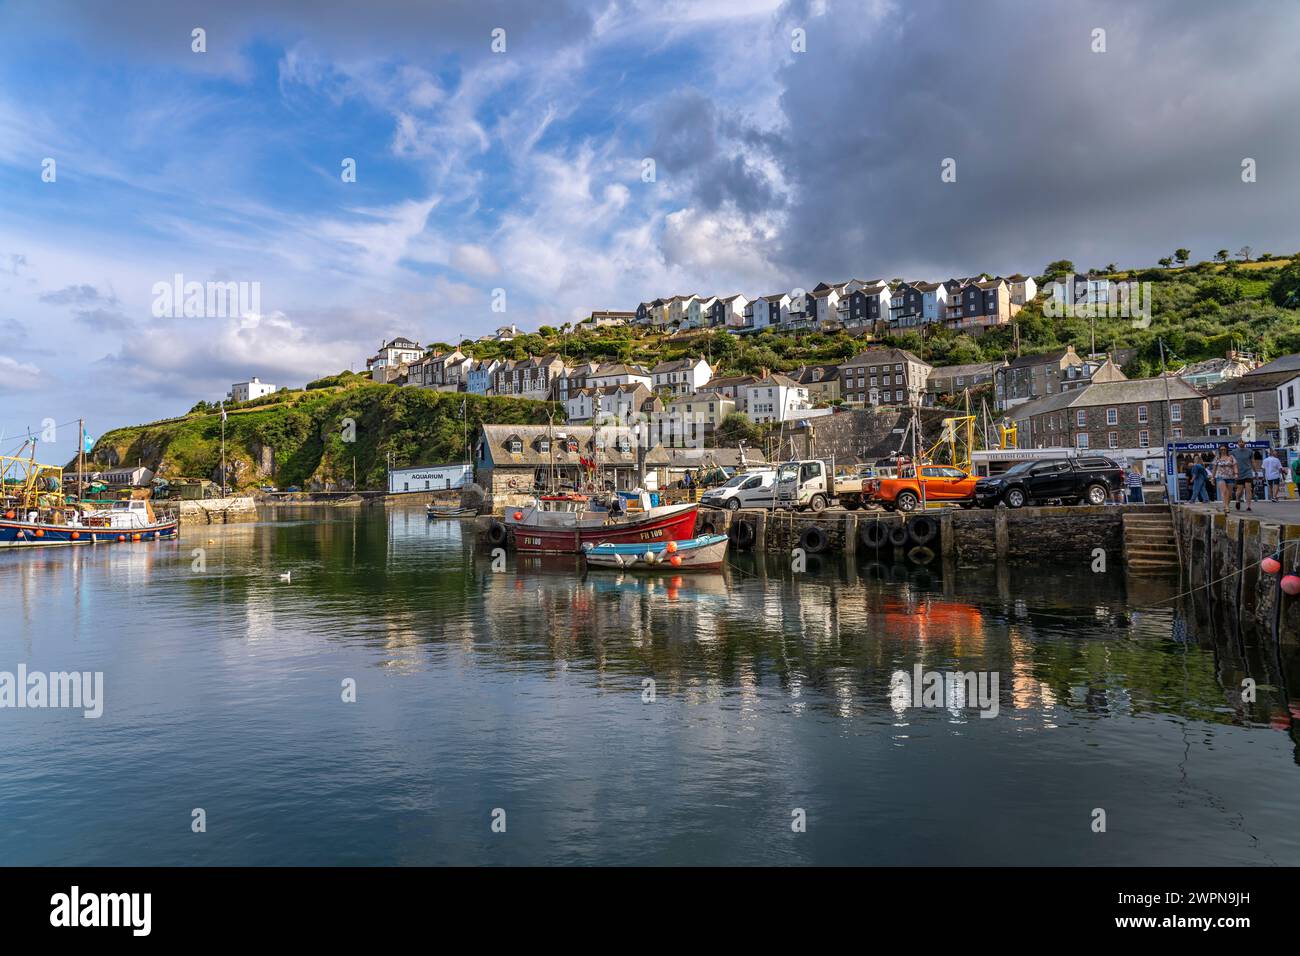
(742, 533)
(921, 555)
(898, 535)
(899, 573)
(873, 535)
(496, 533)
(922, 529)
(708, 527)
(814, 540)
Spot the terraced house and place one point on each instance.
(884, 377)
(534, 377)
(680, 377)
(977, 305)
(1130, 414)
(864, 304)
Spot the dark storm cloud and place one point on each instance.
(1060, 151)
(693, 141)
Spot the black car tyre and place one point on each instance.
(906, 501)
(733, 504)
(1096, 495)
(1015, 498)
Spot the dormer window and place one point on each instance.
(544, 444)
(515, 445)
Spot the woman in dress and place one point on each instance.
(1225, 475)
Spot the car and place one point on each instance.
(753, 489)
(940, 483)
(1091, 480)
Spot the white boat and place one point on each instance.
(707, 552)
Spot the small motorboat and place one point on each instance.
(707, 552)
(449, 511)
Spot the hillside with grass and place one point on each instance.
(313, 437)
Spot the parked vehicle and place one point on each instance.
(803, 485)
(754, 489)
(1092, 480)
(938, 484)
(854, 490)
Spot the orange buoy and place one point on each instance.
(1270, 565)
(675, 560)
(1291, 584)
(76, 535)
(671, 548)
(40, 533)
(519, 516)
(135, 537)
(121, 537)
(9, 515)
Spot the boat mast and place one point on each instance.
(81, 458)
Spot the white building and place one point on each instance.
(429, 478)
(681, 376)
(776, 398)
(618, 374)
(1288, 412)
(391, 354)
(253, 388)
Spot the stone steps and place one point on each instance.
(1149, 544)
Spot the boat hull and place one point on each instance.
(677, 524)
(698, 554)
(23, 534)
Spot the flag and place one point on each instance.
(89, 443)
(223, 410)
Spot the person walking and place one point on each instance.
(1135, 486)
(1245, 459)
(1200, 476)
(1272, 475)
(1225, 475)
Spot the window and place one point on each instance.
(1112, 439)
(1142, 415)
(898, 396)
(516, 446)
(1178, 433)
(1290, 396)
(1112, 417)
(544, 444)
(1081, 419)
(1081, 440)
(1248, 400)
(1176, 412)
(1144, 439)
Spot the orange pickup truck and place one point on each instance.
(943, 483)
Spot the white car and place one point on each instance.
(753, 489)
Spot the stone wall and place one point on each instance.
(218, 510)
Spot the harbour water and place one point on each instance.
(776, 697)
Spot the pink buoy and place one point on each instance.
(1270, 565)
(1291, 584)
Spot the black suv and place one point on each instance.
(1092, 480)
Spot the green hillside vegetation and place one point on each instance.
(299, 437)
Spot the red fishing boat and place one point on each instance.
(565, 523)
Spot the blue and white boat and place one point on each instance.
(707, 552)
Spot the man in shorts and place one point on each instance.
(1245, 459)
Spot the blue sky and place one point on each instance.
(522, 170)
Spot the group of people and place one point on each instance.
(1232, 471)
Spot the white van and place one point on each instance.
(753, 489)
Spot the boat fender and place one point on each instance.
(873, 534)
(496, 532)
(648, 557)
(898, 535)
(744, 534)
(922, 529)
(814, 540)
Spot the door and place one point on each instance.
(1050, 479)
(757, 492)
(942, 484)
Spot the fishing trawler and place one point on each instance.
(34, 511)
(565, 523)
